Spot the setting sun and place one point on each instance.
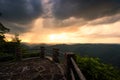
(57, 37)
(52, 37)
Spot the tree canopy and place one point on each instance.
(94, 69)
(3, 30)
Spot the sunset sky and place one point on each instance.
(62, 21)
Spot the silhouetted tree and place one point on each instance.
(16, 38)
(3, 30)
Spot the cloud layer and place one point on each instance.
(19, 14)
(20, 11)
(86, 9)
(22, 16)
(83, 12)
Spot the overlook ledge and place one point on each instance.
(30, 69)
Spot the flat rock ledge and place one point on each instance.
(30, 69)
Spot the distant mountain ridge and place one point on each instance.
(108, 53)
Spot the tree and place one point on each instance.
(3, 30)
(16, 38)
(93, 69)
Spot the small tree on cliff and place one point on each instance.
(3, 30)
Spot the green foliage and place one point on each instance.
(6, 57)
(3, 29)
(93, 69)
(8, 51)
(94, 50)
(2, 39)
(9, 47)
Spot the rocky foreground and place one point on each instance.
(30, 69)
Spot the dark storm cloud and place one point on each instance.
(17, 14)
(21, 11)
(16, 28)
(86, 9)
(108, 20)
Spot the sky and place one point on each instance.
(62, 21)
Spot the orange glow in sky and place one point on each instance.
(106, 33)
(57, 37)
(62, 21)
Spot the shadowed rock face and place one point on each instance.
(31, 69)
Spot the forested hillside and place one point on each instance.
(94, 69)
(108, 53)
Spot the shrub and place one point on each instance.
(6, 57)
(93, 69)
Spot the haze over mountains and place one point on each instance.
(108, 53)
